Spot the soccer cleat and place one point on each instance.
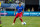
(22, 22)
(13, 24)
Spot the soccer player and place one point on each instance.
(20, 10)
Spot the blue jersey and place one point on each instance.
(19, 9)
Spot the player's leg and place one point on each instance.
(20, 17)
(15, 18)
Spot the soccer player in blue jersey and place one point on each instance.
(20, 10)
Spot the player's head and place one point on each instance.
(19, 3)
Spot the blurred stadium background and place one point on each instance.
(31, 13)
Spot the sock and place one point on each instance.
(14, 20)
(21, 19)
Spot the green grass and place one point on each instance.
(30, 21)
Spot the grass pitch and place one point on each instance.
(7, 21)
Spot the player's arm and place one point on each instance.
(23, 12)
(23, 9)
(15, 11)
